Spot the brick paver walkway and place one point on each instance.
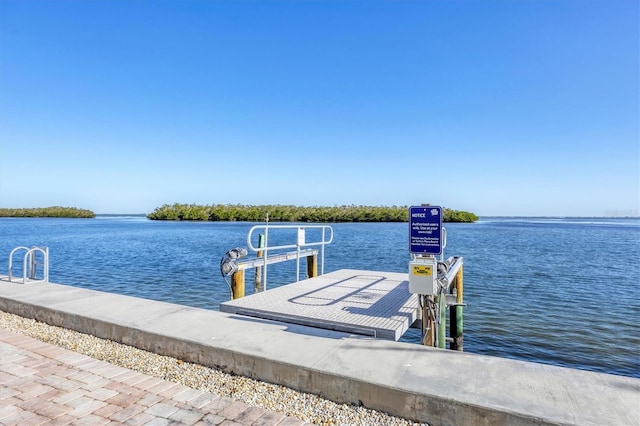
(42, 384)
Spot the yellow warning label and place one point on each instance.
(421, 270)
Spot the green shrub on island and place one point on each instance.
(288, 213)
(449, 215)
(55, 211)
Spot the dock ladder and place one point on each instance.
(30, 263)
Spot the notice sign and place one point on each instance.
(425, 230)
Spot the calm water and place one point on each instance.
(557, 291)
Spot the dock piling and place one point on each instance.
(312, 266)
(459, 313)
(456, 328)
(237, 284)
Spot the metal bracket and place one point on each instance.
(451, 301)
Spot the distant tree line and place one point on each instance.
(287, 213)
(54, 211)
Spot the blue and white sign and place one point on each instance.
(425, 230)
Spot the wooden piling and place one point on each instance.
(457, 317)
(459, 308)
(237, 284)
(453, 324)
(312, 266)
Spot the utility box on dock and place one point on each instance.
(423, 274)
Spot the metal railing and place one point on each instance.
(326, 233)
(30, 263)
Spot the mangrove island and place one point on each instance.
(289, 213)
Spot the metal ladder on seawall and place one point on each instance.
(30, 264)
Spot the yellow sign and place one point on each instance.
(421, 270)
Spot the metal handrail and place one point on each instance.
(298, 245)
(31, 256)
(11, 258)
(30, 260)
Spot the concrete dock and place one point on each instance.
(430, 385)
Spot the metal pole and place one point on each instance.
(442, 326)
(258, 272)
(298, 255)
(266, 249)
(46, 264)
(34, 264)
(322, 252)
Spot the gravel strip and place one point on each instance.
(307, 407)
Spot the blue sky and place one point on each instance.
(509, 107)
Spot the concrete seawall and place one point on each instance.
(414, 382)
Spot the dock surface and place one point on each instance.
(436, 386)
(369, 303)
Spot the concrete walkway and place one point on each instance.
(42, 384)
(406, 380)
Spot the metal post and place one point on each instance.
(258, 272)
(298, 255)
(266, 249)
(46, 264)
(322, 251)
(442, 326)
(33, 263)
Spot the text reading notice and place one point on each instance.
(425, 230)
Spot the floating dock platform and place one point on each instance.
(367, 303)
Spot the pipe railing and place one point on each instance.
(326, 233)
(30, 263)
